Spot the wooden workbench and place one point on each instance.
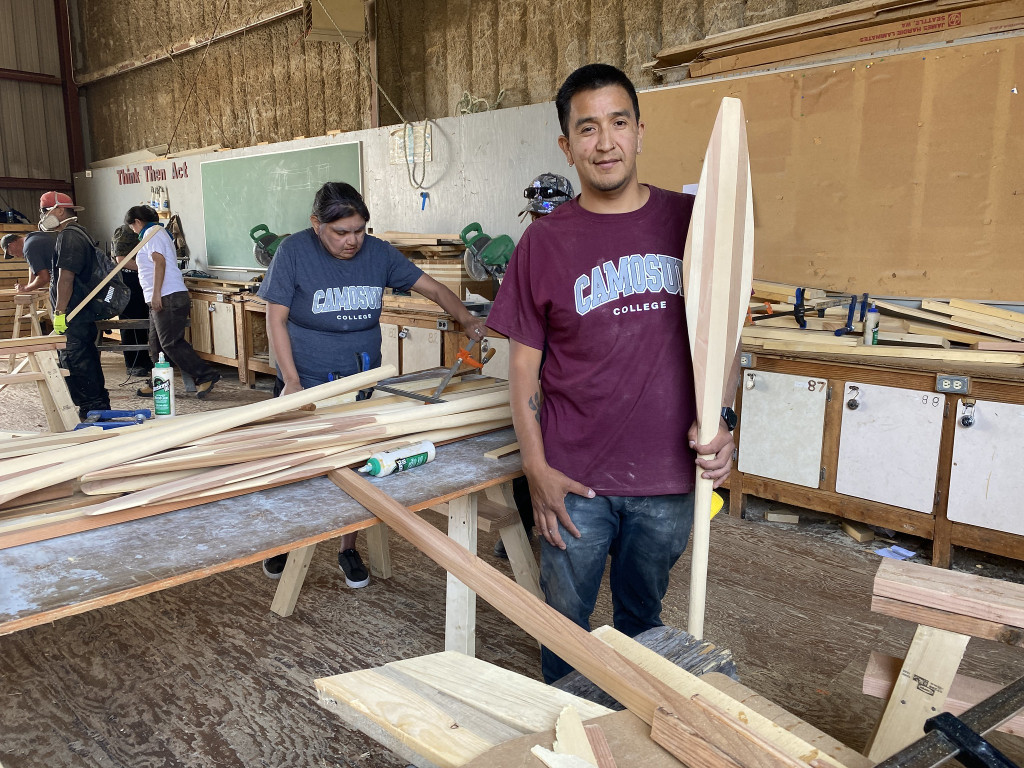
(48, 580)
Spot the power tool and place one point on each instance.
(265, 244)
(485, 256)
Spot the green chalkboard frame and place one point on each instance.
(273, 188)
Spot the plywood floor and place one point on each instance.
(204, 675)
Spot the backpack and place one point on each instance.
(111, 301)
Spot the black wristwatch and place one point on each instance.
(729, 417)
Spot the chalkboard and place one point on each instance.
(275, 189)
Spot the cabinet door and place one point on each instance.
(986, 487)
(201, 336)
(421, 349)
(497, 366)
(889, 445)
(389, 345)
(222, 326)
(783, 420)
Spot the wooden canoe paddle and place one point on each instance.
(718, 264)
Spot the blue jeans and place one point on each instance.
(645, 535)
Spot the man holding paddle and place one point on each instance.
(597, 285)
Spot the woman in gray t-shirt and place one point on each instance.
(324, 293)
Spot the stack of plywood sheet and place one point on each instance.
(952, 331)
(53, 484)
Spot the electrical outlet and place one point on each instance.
(747, 360)
(957, 385)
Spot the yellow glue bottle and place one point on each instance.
(399, 460)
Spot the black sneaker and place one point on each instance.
(499, 549)
(273, 566)
(351, 565)
(203, 389)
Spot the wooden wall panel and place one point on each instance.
(32, 134)
(268, 84)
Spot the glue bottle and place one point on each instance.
(163, 388)
(399, 460)
(871, 325)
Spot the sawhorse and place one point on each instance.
(949, 608)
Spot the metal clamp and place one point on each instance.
(404, 332)
(749, 384)
(853, 403)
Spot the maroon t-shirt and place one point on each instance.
(603, 295)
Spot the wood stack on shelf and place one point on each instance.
(440, 256)
(955, 331)
(11, 271)
(55, 484)
(862, 27)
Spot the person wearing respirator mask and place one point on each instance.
(72, 263)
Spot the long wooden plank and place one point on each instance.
(906, 353)
(981, 319)
(110, 275)
(954, 622)
(985, 309)
(69, 463)
(718, 263)
(638, 690)
(689, 685)
(964, 593)
(935, 317)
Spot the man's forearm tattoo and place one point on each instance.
(535, 405)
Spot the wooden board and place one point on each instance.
(856, 181)
(962, 593)
(985, 483)
(889, 445)
(718, 263)
(222, 329)
(783, 426)
(421, 349)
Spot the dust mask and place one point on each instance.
(49, 221)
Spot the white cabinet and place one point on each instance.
(889, 445)
(782, 426)
(986, 486)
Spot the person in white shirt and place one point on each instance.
(169, 302)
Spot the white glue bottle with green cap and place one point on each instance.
(163, 388)
(871, 325)
(399, 460)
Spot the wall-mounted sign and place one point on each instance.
(132, 175)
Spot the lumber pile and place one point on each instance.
(11, 271)
(953, 331)
(862, 27)
(54, 484)
(425, 245)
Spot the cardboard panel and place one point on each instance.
(783, 423)
(898, 175)
(222, 326)
(889, 445)
(497, 366)
(985, 483)
(421, 349)
(389, 345)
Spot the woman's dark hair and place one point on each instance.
(144, 213)
(338, 200)
(591, 77)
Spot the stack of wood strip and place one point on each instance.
(954, 331)
(865, 26)
(54, 484)
(11, 271)
(425, 245)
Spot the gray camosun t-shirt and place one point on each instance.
(334, 304)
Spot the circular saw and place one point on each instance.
(485, 256)
(265, 244)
